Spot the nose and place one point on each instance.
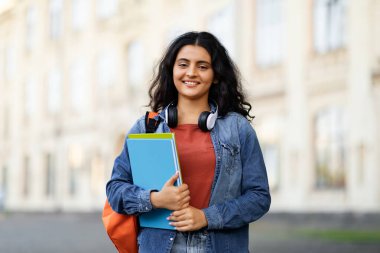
(191, 71)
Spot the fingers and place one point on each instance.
(180, 196)
(184, 197)
(179, 219)
(172, 197)
(188, 219)
(181, 225)
(182, 201)
(184, 193)
(172, 180)
(185, 203)
(183, 187)
(177, 214)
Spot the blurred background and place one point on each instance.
(74, 76)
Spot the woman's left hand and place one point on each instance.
(188, 219)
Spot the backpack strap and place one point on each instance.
(151, 123)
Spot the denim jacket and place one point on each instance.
(239, 194)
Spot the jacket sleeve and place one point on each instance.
(125, 197)
(255, 199)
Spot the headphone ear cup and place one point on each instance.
(202, 121)
(172, 117)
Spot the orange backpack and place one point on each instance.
(123, 229)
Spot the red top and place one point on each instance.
(197, 162)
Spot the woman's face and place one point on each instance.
(192, 73)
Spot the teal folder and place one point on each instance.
(154, 159)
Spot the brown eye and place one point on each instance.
(182, 65)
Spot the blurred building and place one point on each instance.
(74, 78)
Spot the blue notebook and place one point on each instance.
(154, 160)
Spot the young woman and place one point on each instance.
(198, 93)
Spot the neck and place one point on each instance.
(189, 110)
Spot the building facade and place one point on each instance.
(74, 76)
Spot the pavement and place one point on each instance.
(276, 232)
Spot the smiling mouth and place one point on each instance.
(190, 83)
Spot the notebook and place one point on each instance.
(154, 160)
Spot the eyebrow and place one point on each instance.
(187, 60)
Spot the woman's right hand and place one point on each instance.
(171, 197)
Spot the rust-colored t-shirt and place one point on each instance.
(197, 161)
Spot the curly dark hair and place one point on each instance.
(227, 92)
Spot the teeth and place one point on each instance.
(190, 83)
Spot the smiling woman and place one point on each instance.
(193, 75)
(198, 96)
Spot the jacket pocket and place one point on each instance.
(229, 157)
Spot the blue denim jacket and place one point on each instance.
(240, 191)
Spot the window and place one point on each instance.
(78, 82)
(25, 177)
(50, 175)
(54, 91)
(31, 23)
(270, 39)
(80, 13)
(106, 8)
(329, 148)
(270, 128)
(106, 70)
(6, 122)
(223, 26)
(4, 179)
(329, 25)
(73, 181)
(75, 165)
(30, 97)
(98, 175)
(271, 153)
(2, 67)
(3, 186)
(9, 63)
(135, 64)
(56, 16)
